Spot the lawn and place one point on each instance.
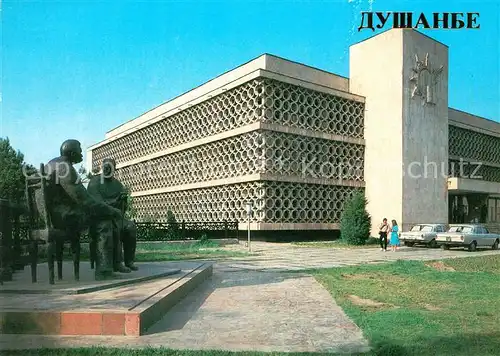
(371, 243)
(153, 252)
(449, 307)
(144, 352)
(149, 252)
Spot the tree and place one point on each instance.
(173, 227)
(83, 175)
(131, 212)
(13, 172)
(355, 223)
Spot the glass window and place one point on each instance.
(498, 211)
(426, 228)
(467, 229)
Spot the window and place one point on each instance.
(426, 228)
(467, 229)
(415, 228)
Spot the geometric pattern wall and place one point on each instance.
(254, 152)
(274, 202)
(476, 148)
(295, 106)
(290, 161)
(261, 99)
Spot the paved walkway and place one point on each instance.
(254, 304)
(281, 257)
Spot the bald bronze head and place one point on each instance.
(72, 149)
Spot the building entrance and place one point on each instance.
(468, 208)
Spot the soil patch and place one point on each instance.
(440, 266)
(368, 302)
(357, 276)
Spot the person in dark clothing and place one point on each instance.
(112, 234)
(383, 230)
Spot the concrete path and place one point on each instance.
(256, 304)
(282, 257)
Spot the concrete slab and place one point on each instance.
(21, 281)
(120, 310)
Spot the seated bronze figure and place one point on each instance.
(112, 233)
(69, 206)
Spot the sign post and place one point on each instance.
(249, 207)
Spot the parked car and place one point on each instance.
(471, 236)
(424, 234)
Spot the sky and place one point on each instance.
(77, 69)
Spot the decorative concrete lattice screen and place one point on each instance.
(292, 159)
(258, 100)
(254, 152)
(480, 150)
(275, 202)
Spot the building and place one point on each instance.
(298, 141)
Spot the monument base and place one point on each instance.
(125, 306)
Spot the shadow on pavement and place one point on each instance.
(182, 312)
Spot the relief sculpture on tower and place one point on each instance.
(425, 79)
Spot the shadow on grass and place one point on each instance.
(462, 344)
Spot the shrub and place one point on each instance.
(204, 238)
(173, 232)
(355, 222)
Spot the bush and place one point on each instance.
(173, 232)
(355, 224)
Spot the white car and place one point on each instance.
(470, 236)
(424, 234)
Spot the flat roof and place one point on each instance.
(472, 121)
(265, 61)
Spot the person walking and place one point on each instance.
(394, 236)
(383, 230)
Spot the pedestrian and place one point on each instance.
(394, 236)
(383, 229)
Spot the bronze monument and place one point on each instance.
(72, 207)
(112, 233)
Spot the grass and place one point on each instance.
(371, 243)
(446, 308)
(155, 252)
(149, 252)
(95, 351)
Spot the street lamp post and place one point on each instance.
(249, 207)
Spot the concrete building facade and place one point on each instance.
(298, 141)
